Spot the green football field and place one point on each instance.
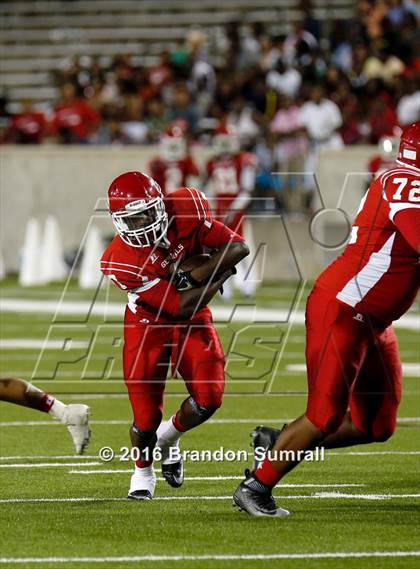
(358, 507)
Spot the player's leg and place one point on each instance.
(75, 415)
(336, 348)
(201, 365)
(375, 396)
(374, 399)
(346, 435)
(145, 361)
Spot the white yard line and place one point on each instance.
(35, 343)
(101, 463)
(226, 421)
(409, 369)
(220, 313)
(314, 496)
(50, 457)
(50, 464)
(212, 557)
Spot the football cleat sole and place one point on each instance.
(140, 495)
(174, 473)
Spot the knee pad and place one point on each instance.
(143, 440)
(203, 412)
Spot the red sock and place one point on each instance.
(47, 401)
(267, 474)
(143, 463)
(177, 423)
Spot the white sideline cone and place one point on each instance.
(2, 268)
(90, 273)
(53, 267)
(30, 270)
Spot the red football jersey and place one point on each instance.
(232, 182)
(379, 271)
(225, 173)
(144, 271)
(171, 175)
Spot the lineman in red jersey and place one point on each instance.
(175, 168)
(353, 364)
(167, 319)
(230, 183)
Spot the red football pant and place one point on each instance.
(149, 348)
(351, 364)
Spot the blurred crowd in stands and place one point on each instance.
(324, 84)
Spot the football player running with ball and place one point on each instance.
(157, 258)
(352, 358)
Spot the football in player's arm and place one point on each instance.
(167, 321)
(352, 358)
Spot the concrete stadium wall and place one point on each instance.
(67, 182)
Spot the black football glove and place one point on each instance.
(184, 281)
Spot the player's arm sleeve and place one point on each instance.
(407, 222)
(215, 234)
(158, 294)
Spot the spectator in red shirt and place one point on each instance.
(75, 120)
(29, 126)
(382, 117)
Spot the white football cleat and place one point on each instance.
(143, 483)
(76, 419)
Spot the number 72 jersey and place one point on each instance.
(379, 271)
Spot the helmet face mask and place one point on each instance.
(137, 210)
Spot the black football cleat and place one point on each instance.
(140, 495)
(174, 473)
(255, 498)
(264, 438)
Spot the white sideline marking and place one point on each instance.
(255, 422)
(373, 452)
(50, 457)
(212, 557)
(101, 463)
(33, 343)
(50, 464)
(53, 423)
(220, 313)
(315, 496)
(409, 369)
